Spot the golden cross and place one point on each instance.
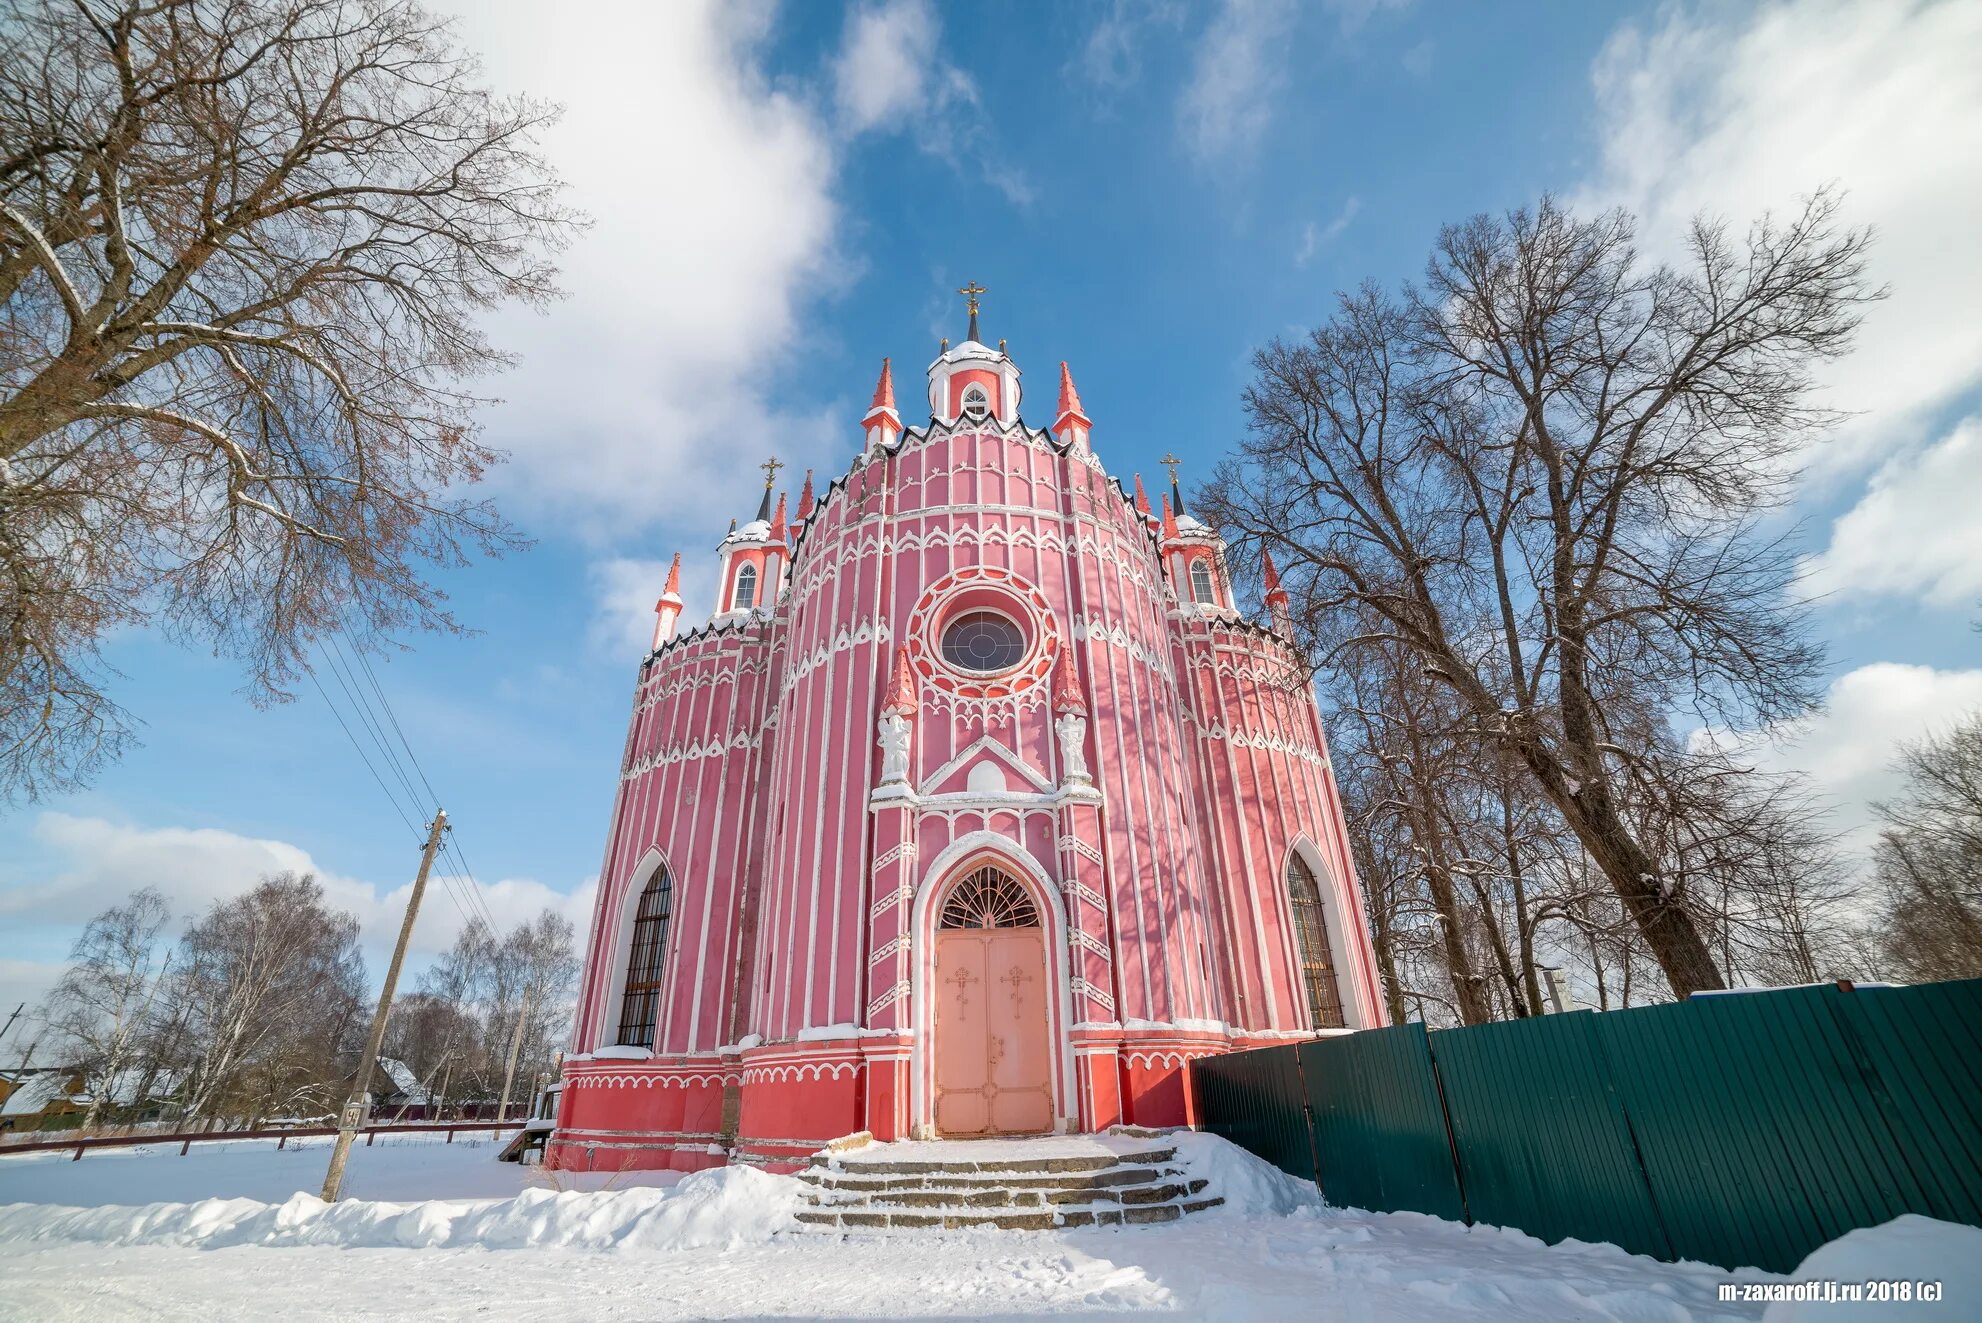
(1170, 462)
(970, 292)
(771, 467)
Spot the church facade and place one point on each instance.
(976, 808)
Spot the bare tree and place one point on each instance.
(485, 983)
(101, 1008)
(1928, 860)
(243, 249)
(1542, 474)
(273, 988)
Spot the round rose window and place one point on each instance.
(983, 643)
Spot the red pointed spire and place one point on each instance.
(1169, 522)
(1070, 410)
(1067, 696)
(778, 520)
(1142, 499)
(901, 693)
(673, 586)
(805, 501)
(884, 391)
(1272, 572)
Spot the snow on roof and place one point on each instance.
(37, 1093)
(404, 1081)
(124, 1085)
(968, 349)
(757, 530)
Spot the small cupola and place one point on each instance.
(973, 383)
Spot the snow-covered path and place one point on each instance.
(1371, 1269)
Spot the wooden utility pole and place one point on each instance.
(354, 1106)
(515, 1047)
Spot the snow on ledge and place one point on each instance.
(621, 1054)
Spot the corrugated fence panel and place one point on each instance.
(1379, 1132)
(1543, 1144)
(1924, 1047)
(1761, 1137)
(1254, 1099)
(1738, 1130)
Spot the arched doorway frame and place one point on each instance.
(955, 863)
(1348, 991)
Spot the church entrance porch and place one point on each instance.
(993, 1044)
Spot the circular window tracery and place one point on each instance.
(983, 642)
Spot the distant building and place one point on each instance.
(978, 807)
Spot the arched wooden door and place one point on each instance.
(993, 1055)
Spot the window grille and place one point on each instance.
(639, 1011)
(1317, 959)
(989, 898)
(745, 596)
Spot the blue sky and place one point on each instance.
(781, 197)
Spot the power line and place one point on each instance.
(462, 891)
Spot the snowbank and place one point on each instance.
(1907, 1249)
(724, 1208)
(1249, 1185)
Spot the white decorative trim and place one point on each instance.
(1085, 892)
(890, 997)
(906, 850)
(986, 744)
(890, 899)
(813, 1070)
(1092, 943)
(899, 942)
(1082, 848)
(1083, 988)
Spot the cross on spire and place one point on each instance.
(771, 467)
(970, 293)
(1170, 462)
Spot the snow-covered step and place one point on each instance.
(1034, 1184)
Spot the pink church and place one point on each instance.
(977, 808)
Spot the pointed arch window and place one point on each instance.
(745, 595)
(639, 1009)
(1317, 956)
(975, 402)
(1203, 589)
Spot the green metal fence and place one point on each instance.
(1738, 1130)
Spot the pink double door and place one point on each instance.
(993, 1062)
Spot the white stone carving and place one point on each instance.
(894, 739)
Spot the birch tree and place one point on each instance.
(244, 249)
(1544, 474)
(101, 1009)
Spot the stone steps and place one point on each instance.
(874, 1190)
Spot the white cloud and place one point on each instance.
(1847, 750)
(887, 66)
(1354, 15)
(1738, 111)
(96, 863)
(890, 76)
(625, 589)
(1111, 57)
(1240, 67)
(1314, 236)
(650, 393)
(1914, 532)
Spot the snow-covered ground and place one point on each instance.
(227, 1238)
